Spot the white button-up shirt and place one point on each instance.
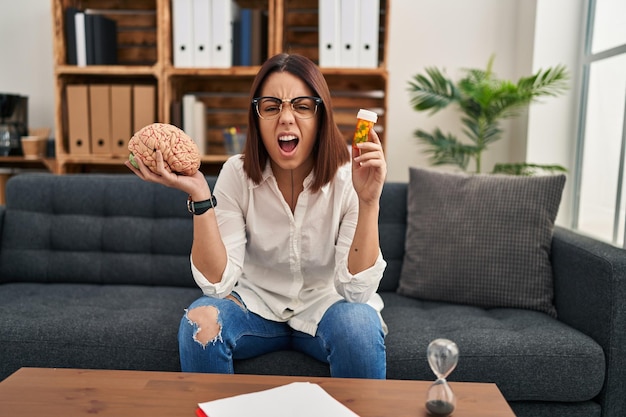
(289, 267)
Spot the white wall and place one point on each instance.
(451, 34)
(26, 66)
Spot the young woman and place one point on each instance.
(285, 247)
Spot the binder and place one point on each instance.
(182, 32)
(90, 43)
(121, 118)
(189, 101)
(144, 105)
(104, 40)
(199, 126)
(258, 33)
(100, 117)
(78, 119)
(244, 51)
(368, 33)
(201, 33)
(81, 41)
(349, 32)
(70, 35)
(222, 18)
(329, 41)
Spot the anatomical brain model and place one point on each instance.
(180, 152)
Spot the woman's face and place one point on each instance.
(289, 140)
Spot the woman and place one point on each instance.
(289, 256)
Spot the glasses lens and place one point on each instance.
(269, 107)
(304, 107)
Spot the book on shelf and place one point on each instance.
(70, 35)
(194, 120)
(90, 37)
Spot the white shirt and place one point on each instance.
(289, 267)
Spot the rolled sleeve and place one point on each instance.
(359, 288)
(218, 290)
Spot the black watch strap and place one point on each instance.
(200, 207)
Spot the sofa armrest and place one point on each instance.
(590, 295)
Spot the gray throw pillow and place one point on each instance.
(481, 239)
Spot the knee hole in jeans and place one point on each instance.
(208, 327)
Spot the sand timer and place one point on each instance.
(443, 355)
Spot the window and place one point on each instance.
(600, 182)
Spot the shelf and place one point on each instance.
(21, 162)
(106, 70)
(145, 52)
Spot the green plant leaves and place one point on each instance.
(484, 101)
(432, 92)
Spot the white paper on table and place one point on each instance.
(298, 399)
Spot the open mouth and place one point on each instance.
(288, 143)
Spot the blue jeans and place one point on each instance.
(349, 338)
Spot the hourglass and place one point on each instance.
(443, 355)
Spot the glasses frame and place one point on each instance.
(255, 102)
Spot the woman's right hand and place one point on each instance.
(195, 185)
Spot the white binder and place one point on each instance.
(349, 33)
(81, 39)
(199, 128)
(329, 33)
(222, 17)
(182, 32)
(368, 33)
(201, 33)
(189, 103)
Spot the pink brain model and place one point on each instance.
(180, 152)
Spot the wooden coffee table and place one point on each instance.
(76, 392)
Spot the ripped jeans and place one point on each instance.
(349, 338)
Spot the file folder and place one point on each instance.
(144, 105)
(368, 33)
(222, 17)
(329, 41)
(201, 33)
(182, 32)
(349, 32)
(121, 118)
(78, 119)
(100, 116)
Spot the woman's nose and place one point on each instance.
(286, 115)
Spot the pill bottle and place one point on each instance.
(365, 121)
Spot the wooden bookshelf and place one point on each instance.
(145, 56)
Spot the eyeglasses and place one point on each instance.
(269, 108)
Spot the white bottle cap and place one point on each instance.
(370, 116)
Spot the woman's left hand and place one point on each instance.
(369, 169)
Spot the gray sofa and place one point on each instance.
(94, 273)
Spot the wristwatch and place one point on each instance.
(200, 207)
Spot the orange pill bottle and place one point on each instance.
(365, 121)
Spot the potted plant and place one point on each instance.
(484, 101)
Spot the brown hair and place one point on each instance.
(330, 150)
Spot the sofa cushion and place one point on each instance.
(482, 240)
(528, 354)
(91, 326)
